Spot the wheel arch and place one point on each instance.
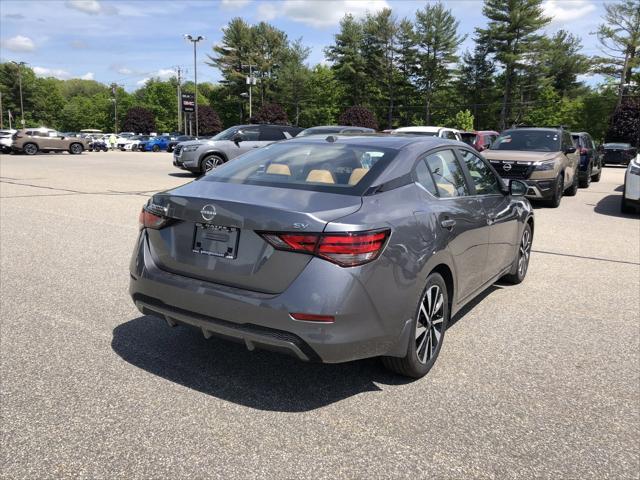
(212, 152)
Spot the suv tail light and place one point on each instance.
(583, 151)
(148, 219)
(345, 249)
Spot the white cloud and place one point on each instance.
(567, 10)
(19, 43)
(141, 83)
(229, 4)
(91, 7)
(87, 76)
(51, 72)
(162, 74)
(319, 13)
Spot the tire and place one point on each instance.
(520, 264)
(429, 325)
(596, 178)
(75, 149)
(30, 148)
(585, 182)
(169, 149)
(155, 148)
(134, 148)
(573, 189)
(554, 201)
(210, 162)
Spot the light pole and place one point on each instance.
(20, 64)
(250, 81)
(195, 41)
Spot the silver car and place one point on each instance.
(201, 156)
(333, 249)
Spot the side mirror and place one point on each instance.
(518, 188)
(237, 138)
(570, 150)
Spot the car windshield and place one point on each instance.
(528, 140)
(617, 145)
(319, 131)
(325, 167)
(469, 138)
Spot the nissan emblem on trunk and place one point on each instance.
(208, 212)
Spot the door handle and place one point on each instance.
(448, 223)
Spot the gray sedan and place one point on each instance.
(333, 249)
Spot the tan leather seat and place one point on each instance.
(357, 174)
(320, 176)
(278, 169)
(448, 188)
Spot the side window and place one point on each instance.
(483, 178)
(566, 140)
(449, 135)
(268, 134)
(423, 177)
(447, 174)
(250, 134)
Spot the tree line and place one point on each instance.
(397, 71)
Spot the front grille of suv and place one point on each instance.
(513, 169)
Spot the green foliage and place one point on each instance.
(139, 120)
(323, 102)
(208, 121)
(625, 123)
(552, 109)
(463, 120)
(271, 113)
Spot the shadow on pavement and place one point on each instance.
(472, 304)
(226, 370)
(182, 175)
(610, 205)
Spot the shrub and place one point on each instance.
(271, 113)
(208, 121)
(139, 120)
(625, 123)
(358, 117)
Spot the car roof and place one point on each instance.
(378, 140)
(540, 129)
(420, 129)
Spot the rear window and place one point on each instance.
(528, 140)
(322, 167)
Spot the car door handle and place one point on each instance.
(448, 223)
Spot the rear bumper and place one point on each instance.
(263, 320)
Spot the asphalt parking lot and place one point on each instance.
(536, 380)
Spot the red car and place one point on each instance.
(480, 140)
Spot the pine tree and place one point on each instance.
(510, 34)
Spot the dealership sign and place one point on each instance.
(188, 102)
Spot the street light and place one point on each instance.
(250, 81)
(195, 40)
(20, 64)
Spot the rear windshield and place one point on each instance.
(321, 167)
(528, 140)
(469, 138)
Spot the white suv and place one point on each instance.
(442, 132)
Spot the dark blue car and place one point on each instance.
(155, 144)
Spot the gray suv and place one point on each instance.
(201, 156)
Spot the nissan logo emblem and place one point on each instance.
(506, 167)
(208, 212)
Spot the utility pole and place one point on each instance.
(114, 91)
(20, 64)
(195, 41)
(250, 81)
(179, 72)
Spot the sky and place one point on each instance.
(127, 42)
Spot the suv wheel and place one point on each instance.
(585, 182)
(75, 149)
(554, 201)
(573, 189)
(30, 148)
(596, 177)
(210, 162)
(155, 148)
(520, 264)
(429, 326)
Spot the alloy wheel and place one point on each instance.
(429, 323)
(30, 149)
(211, 163)
(525, 253)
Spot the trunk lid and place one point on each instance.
(248, 208)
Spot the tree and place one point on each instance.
(139, 120)
(438, 40)
(562, 62)
(510, 35)
(463, 120)
(208, 121)
(324, 94)
(625, 123)
(358, 117)
(407, 55)
(476, 86)
(271, 113)
(270, 47)
(619, 37)
(348, 63)
(293, 78)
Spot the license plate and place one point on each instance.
(216, 240)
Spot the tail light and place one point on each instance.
(345, 249)
(583, 151)
(309, 317)
(150, 217)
